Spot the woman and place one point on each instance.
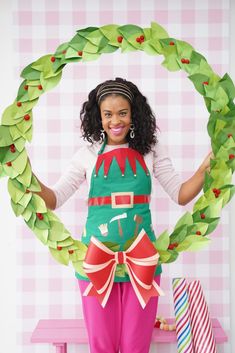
(118, 165)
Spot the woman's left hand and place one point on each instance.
(205, 166)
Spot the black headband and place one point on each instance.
(114, 88)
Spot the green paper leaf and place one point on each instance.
(15, 133)
(179, 234)
(5, 136)
(12, 115)
(130, 30)
(198, 80)
(112, 246)
(38, 204)
(25, 199)
(15, 189)
(79, 269)
(164, 256)
(29, 73)
(44, 64)
(185, 219)
(86, 31)
(31, 221)
(171, 63)
(157, 31)
(51, 82)
(43, 223)
(149, 49)
(42, 234)
(162, 241)
(57, 232)
(193, 243)
(27, 214)
(25, 125)
(18, 209)
(90, 48)
(227, 84)
(25, 177)
(61, 256)
(95, 37)
(111, 33)
(89, 57)
(126, 46)
(8, 170)
(120, 270)
(20, 162)
(34, 185)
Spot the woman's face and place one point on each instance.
(116, 118)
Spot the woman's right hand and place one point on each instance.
(47, 195)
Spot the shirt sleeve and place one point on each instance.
(72, 177)
(164, 171)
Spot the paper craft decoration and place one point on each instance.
(182, 316)
(203, 337)
(140, 259)
(190, 232)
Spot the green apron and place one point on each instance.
(118, 205)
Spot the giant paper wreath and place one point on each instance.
(191, 231)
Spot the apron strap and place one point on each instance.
(103, 146)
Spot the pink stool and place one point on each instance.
(63, 331)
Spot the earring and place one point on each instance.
(132, 133)
(102, 135)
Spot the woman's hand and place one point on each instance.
(191, 187)
(205, 166)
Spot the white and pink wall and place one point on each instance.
(34, 286)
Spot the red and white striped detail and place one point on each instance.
(203, 338)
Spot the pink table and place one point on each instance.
(63, 331)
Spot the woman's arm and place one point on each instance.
(190, 188)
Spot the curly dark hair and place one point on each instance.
(141, 114)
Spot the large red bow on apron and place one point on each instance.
(140, 258)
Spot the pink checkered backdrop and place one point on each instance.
(45, 288)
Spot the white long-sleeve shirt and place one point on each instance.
(81, 166)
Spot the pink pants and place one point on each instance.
(122, 324)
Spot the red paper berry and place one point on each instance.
(216, 192)
(9, 164)
(205, 83)
(142, 38)
(187, 61)
(40, 216)
(80, 53)
(203, 216)
(172, 246)
(231, 156)
(12, 148)
(171, 43)
(19, 104)
(157, 324)
(26, 87)
(71, 251)
(138, 39)
(53, 59)
(198, 232)
(119, 39)
(59, 248)
(27, 117)
(40, 87)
